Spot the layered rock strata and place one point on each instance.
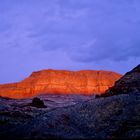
(61, 82)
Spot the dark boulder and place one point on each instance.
(36, 102)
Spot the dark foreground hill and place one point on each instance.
(116, 116)
(128, 83)
(112, 117)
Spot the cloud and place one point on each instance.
(115, 51)
(70, 25)
(69, 33)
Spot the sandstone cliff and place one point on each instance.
(61, 82)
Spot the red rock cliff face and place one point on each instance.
(61, 82)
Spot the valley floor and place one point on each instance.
(71, 116)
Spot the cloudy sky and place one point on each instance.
(68, 34)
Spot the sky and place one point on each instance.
(68, 34)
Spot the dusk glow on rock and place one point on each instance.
(88, 82)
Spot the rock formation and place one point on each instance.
(37, 102)
(61, 82)
(128, 83)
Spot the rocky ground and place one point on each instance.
(111, 117)
(11, 109)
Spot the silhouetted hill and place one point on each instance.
(129, 83)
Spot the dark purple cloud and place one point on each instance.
(68, 34)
